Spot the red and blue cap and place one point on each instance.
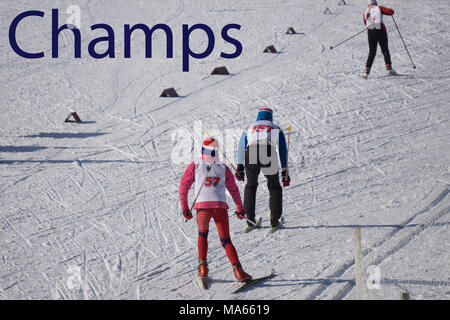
(210, 150)
(265, 114)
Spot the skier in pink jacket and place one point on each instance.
(211, 178)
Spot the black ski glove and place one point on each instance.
(240, 173)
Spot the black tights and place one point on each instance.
(252, 172)
(378, 36)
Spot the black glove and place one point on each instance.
(240, 173)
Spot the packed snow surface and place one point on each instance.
(91, 210)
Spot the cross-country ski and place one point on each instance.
(255, 281)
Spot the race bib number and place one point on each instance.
(212, 181)
(261, 128)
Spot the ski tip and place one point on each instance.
(272, 274)
(254, 281)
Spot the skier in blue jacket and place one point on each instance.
(257, 151)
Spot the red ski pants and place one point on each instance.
(220, 217)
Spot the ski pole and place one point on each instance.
(332, 47)
(224, 155)
(287, 150)
(401, 37)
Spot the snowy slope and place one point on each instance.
(91, 211)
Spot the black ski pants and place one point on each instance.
(252, 171)
(378, 36)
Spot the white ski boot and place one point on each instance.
(365, 75)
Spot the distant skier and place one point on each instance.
(377, 34)
(257, 152)
(211, 178)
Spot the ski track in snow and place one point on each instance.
(103, 196)
(386, 241)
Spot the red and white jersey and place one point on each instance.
(213, 182)
(374, 17)
(261, 132)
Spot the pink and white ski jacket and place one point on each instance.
(212, 194)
